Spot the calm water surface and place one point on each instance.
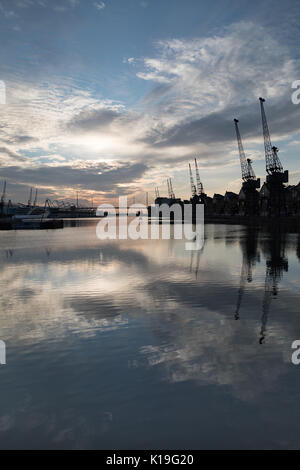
(141, 344)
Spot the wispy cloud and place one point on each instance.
(99, 5)
(23, 3)
(213, 72)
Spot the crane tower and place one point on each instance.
(248, 196)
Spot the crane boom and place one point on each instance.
(246, 166)
(199, 184)
(30, 197)
(193, 187)
(273, 164)
(171, 190)
(3, 193)
(35, 198)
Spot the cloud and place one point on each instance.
(24, 3)
(93, 119)
(157, 93)
(209, 74)
(99, 5)
(217, 127)
(8, 157)
(22, 139)
(6, 5)
(90, 176)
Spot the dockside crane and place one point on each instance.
(2, 201)
(193, 187)
(199, 183)
(35, 198)
(171, 189)
(273, 195)
(30, 198)
(3, 193)
(248, 196)
(273, 163)
(246, 164)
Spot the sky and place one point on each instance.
(112, 97)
